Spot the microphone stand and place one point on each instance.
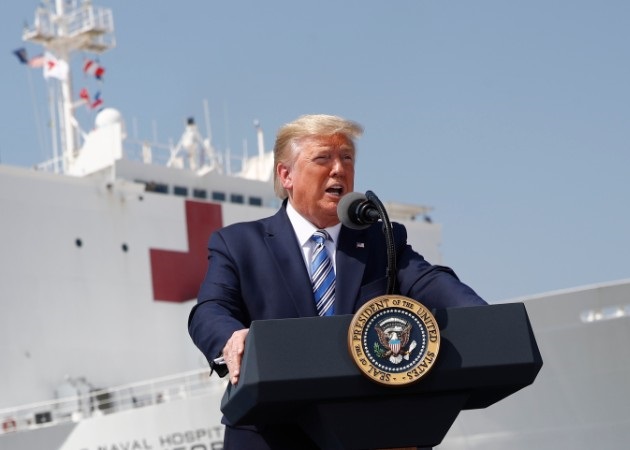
(389, 242)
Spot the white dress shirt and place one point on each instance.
(305, 229)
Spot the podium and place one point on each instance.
(300, 371)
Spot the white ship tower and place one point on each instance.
(64, 28)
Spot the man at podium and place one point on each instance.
(303, 262)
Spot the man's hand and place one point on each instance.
(233, 353)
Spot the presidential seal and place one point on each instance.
(394, 340)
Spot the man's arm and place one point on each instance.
(434, 286)
(220, 312)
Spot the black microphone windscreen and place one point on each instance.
(347, 210)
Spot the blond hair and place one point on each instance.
(287, 148)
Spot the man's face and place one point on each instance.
(321, 174)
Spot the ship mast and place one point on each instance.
(64, 28)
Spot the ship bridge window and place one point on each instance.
(43, 417)
(218, 196)
(237, 198)
(200, 193)
(180, 190)
(160, 188)
(255, 201)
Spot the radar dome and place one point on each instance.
(108, 116)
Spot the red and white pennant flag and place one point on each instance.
(93, 68)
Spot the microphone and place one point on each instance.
(356, 211)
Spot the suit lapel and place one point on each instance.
(284, 250)
(351, 258)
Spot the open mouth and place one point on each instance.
(335, 190)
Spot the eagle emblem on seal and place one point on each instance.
(393, 335)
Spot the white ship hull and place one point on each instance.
(580, 398)
(77, 282)
(191, 423)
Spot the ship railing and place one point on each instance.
(94, 24)
(91, 27)
(43, 30)
(89, 19)
(99, 402)
(155, 153)
(52, 165)
(148, 152)
(135, 150)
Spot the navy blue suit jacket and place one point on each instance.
(256, 271)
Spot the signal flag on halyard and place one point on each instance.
(98, 101)
(85, 96)
(55, 68)
(22, 56)
(93, 68)
(36, 61)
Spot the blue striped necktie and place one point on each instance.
(322, 275)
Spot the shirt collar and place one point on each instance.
(305, 229)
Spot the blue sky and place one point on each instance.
(510, 118)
